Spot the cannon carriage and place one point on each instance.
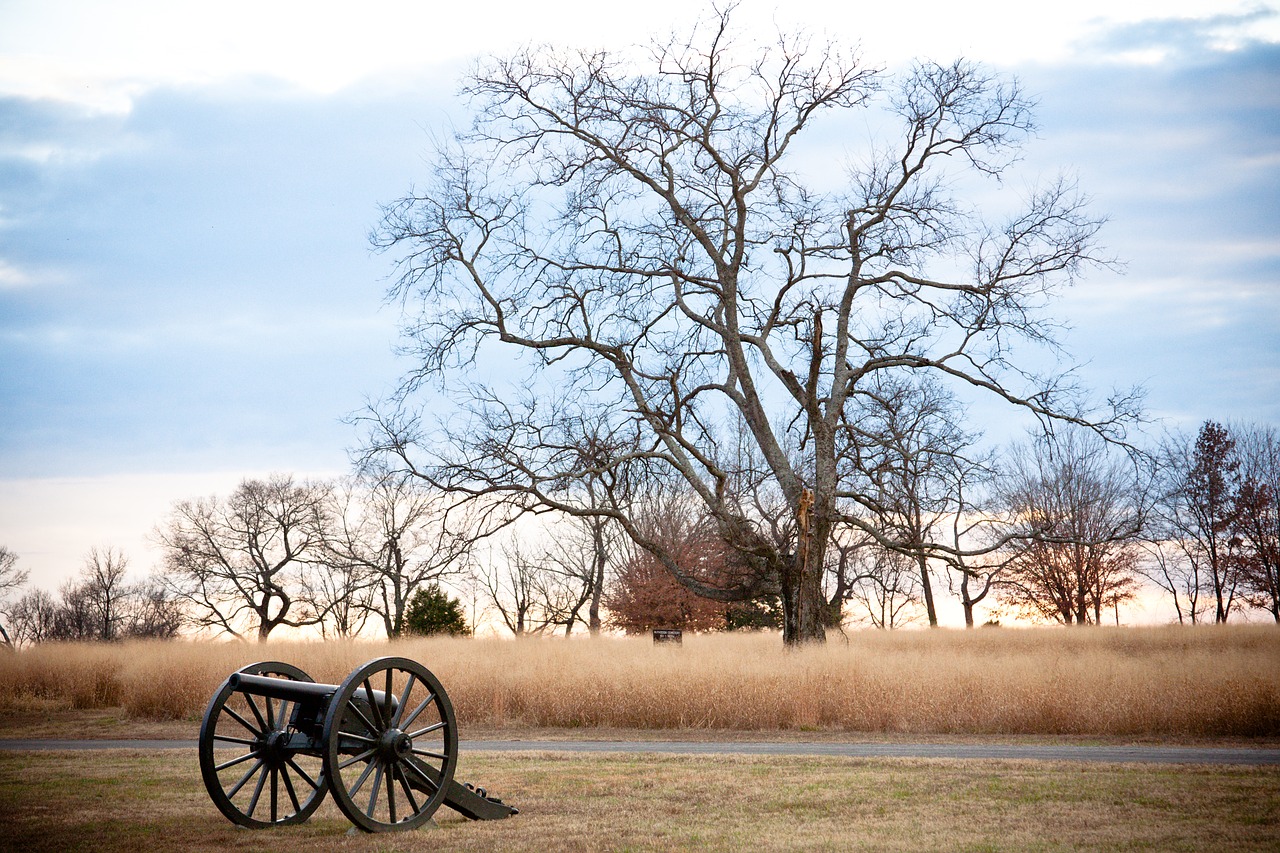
(384, 744)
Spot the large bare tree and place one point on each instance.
(658, 232)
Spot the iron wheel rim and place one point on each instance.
(378, 754)
(293, 785)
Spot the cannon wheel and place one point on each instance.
(377, 754)
(263, 785)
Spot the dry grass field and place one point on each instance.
(1178, 683)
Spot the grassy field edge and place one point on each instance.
(125, 800)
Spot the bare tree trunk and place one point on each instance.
(925, 584)
(802, 600)
(597, 586)
(965, 600)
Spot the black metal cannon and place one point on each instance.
(384, 742)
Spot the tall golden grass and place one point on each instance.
(1196, 682)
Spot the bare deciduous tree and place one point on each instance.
(1079, 516)
(887, 590)
(35, 617)
(912, 453)
(154, 612)
(635, 232)
(341, 593)
(96, 604)
(108, 592)
(388, 536)
(519, 589)
(576, 559)
(237, 562)
(1193, 540)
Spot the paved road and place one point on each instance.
(1018, 752)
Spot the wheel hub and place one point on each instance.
(395, 744)
(277, 744)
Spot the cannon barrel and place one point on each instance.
(298, 691)
(280, 688)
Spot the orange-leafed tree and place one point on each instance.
(646, 595)
(1257, 516)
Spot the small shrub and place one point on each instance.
(432, 611)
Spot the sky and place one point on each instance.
(188, 295)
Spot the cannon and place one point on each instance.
(384, 742)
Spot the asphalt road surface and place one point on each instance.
(1011, 752)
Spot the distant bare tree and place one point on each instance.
(1193, 539)
(74, 617)
(841, 574)
(154, 612)
(575, 562)
(887, 590)
(11, 577)
(34, 617)
(515, 585)
(238, 562)
(632, 231)
(388, 536)
(976, 561)
(107, 591)
(341, 594)
(1167, 566)
(914, 454)
(1079, 516)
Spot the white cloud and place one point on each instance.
(11, 277)
(1173, 34)
(106, 54)
(17, 277)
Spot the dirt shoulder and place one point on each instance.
(115, 724)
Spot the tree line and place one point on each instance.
(278, 551)
(1059, 529)
(100, 603)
